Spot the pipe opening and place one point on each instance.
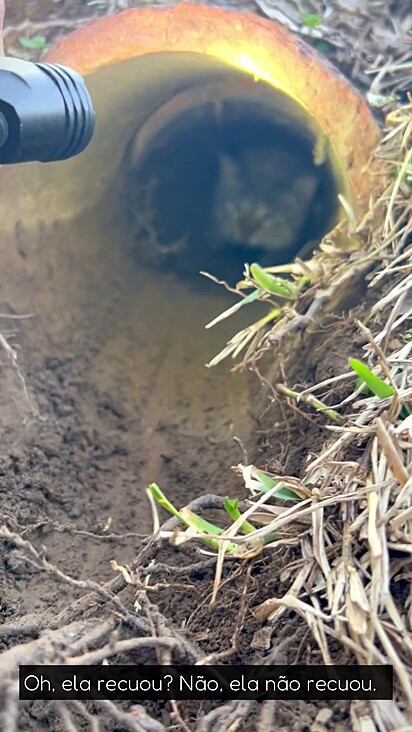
(227, 172)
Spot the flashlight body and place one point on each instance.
(46, 113)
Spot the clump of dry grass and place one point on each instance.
(353, 518)
(354, 580)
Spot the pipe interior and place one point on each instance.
(69, 247)
(210, 194)
(219, 176)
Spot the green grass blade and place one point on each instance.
(205, 527)
(190, 519)
(161, 499)
(375, 384)
(37, 43)
(274, 285)
(232, 509)
(234, 308)
(310, 20)
(267, 483)
(286, 494)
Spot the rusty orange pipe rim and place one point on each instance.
(258, 46)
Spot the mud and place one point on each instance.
(114, 362)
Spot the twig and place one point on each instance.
(141, 723)
(122, 646)
(66, 717)
(9, 715)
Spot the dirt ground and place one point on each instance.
(83, 465)
(105, 419)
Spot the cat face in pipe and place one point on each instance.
(261, 200)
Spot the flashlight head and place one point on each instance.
(46, 113)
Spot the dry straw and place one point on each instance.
(354, 584)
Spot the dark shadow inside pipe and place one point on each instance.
(213, 189)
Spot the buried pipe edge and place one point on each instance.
(260, 47)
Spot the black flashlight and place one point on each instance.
(46, 113)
